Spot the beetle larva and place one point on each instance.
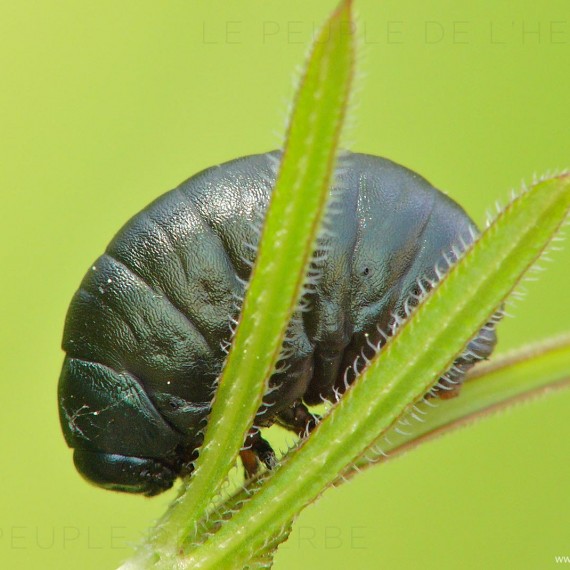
(144, 334)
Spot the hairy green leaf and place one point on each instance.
(285, 251)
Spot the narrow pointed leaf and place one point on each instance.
(285, 251)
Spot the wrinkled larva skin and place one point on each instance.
(145, 331)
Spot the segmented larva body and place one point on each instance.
(147, 331)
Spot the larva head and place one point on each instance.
(120, 440)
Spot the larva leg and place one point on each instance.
(326, 370)
(256, 450)
(298, 419)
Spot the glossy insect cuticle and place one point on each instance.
(151, 324)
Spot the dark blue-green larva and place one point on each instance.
(146, 333)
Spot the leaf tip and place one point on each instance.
(343, 12)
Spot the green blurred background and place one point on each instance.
(104, 105)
